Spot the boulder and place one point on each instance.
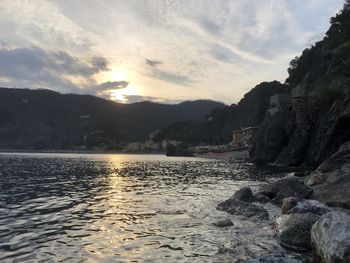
(294, 231)
(223, 223)
(330, 237)
(259, 197)
(244, 194)
(292, 205)
(290, 186)
(334, 191)
(341, 157)
(241, 208)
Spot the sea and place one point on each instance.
(126, 208)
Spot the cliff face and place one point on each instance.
(318, 121)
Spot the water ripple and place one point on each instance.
(103, 208)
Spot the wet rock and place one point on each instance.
(334, 190)
(292, 205)
(315, 179)
(330, 237)
(271, 259)
(341, 157)
(300, 174)
(223, 223)
(244, 194)
(290, 186)
(294, 231)
(259, 197)
(241, 208)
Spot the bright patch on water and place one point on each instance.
(123, 208)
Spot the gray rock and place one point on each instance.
(223, 223)
(259, 197)
(271, 259)
(294, 231)
(334, 191)
(241, 208)
(292, 205)
(330, 237)
(244, 194)
(290, 186)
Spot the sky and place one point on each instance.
(159, 50)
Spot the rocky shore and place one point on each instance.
(314, 216)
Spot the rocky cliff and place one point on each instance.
(318, 119)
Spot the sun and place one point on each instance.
(120, 95)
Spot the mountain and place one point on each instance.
(318, 121)
(43, 119)
(250, 111)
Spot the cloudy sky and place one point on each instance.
(161, 50)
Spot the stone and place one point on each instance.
(341, 157)
(259, 197)
(223, 223)
(271, 259)
(245, 209)
(334, 191)
(289, 203)
(292, 205)
(330, 237)
(244, 194)
(294, 231)
(290, 186)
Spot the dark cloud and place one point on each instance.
(35, 67)
(177, 79)
(112, 85)
(153, 63)
(139, 98)
(210, 26)
(224, 54)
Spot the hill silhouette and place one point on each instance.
(44, 119)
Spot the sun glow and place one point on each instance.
(120, 74)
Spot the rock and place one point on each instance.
(289, 203)
(334, 190)
(246, 209)
(271, 259)
(290, 186)
(292, 205)
(261, 198)
(244, 194)
(341, 157)
(300, 174)
(330, 237)
(223, 223)
(315, 179)
(294, 231)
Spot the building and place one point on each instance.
(278, 102)
(237, 138)
(248, 135)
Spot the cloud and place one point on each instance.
(139, 98)
(171, 77)
(36, 67)
(224, 54)
(153, 63)
(111, 85)
(210, 26)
